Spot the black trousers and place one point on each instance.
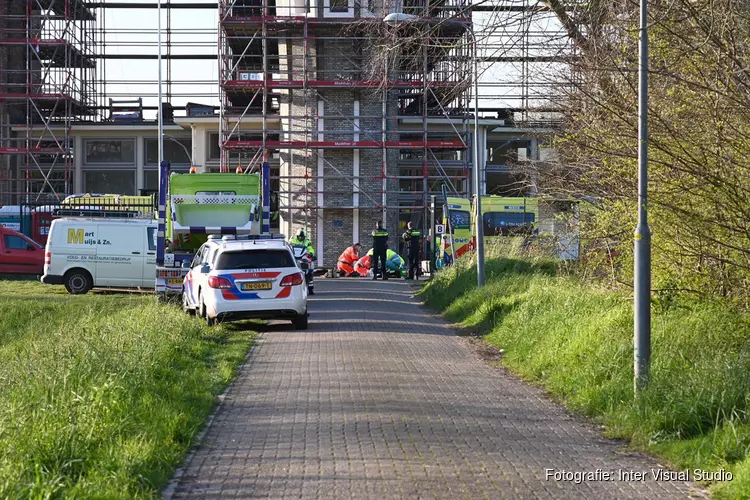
(413, 264)
(380, 255)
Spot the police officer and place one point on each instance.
(301, 240)
(379, 250)
(413, 239)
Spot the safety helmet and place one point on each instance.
(301, 233)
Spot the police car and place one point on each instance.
(232, 278)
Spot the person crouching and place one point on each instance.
(347, 260)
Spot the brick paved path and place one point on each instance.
(381, 400)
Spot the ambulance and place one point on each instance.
(82, 253)
(554, 219)
(507, 216)
(457, 220)
(502, 216)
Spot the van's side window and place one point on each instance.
(151, 232)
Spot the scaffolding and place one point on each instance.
(302, 84)
(54, 56)
(523, 53)
(47, 82)
(306, 85)
(188, 40)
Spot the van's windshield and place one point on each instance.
(254, 259)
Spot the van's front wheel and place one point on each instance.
(78, 281)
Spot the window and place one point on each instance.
(114, 151)
(214, 152)
(210, 257)
(151, 231)
(198, 257)
(460, 218)
(151, 178)
(55, 178)
(339, 5)
(505, 223)
(255, 259)
(338, 8)
(176, 151)
(109, 182)
(16, 242)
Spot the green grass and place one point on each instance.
(101, 396)
(576, 340)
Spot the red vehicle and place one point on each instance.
(19, 254)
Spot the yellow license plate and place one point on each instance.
(174, 281)
(261, 285)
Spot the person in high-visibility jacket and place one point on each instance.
(393, 262)
(413, 240)
(347, 260)
(379, 245)
(301, 239)
(363, 265)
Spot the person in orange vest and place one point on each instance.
(347, 260)
(363, 265)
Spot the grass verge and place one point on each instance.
(576, 340)
(102, 395)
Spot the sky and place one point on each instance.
(134, 31)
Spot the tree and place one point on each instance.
(699, 119)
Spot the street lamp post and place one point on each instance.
(642, 243)
(161, 205)
(160, 112)
(478, 226)
(397, 19)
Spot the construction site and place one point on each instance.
(365, 110)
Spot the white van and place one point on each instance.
(82, 253)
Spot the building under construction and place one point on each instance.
(47, 81)
(362, 108)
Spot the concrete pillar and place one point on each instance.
(140, 148)
(483, 159)
(78, 154)
(320, 185)
(201, 147)
(355, 176)
(194, 150)
(534, 159)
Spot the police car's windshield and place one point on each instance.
(254, 259)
